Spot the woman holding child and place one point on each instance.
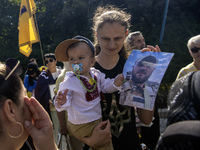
(110, 30)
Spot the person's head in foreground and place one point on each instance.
(143, 69)
(13, 110)
(110, 28)
(182, 135)
(79, 51)
(194, 47)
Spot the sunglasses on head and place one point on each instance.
(50, 60)
(195, 50)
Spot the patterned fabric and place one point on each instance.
(112, 110)
(182, 130)
(184, 99)
(79, 109)
(185, 70)
(118, 117)
(90, 95)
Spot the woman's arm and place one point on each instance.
(145, 116)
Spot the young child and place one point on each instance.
(84, 84)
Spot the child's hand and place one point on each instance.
(118, 80)
(51, 103)
(60, 98)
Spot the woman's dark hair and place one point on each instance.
(10, 88)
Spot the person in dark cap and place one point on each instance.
(138, 89)
(143, 69)
(30, 80)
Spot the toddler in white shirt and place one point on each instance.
(85, 85)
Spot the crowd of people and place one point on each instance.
(82, 100)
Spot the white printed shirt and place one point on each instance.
(79, 109)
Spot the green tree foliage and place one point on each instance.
(58, 20)
(9, 11)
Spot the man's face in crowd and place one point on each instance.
(50, 63)
(138, 42)
(142, 71)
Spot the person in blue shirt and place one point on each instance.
(31, 77)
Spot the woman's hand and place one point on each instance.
(41, 130)
(101, 135)
(151, 48)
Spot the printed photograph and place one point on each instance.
(143, 73)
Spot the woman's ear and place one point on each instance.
(9, 110)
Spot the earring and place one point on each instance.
(13, 124)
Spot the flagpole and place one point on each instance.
(39, 39)
(164, 21)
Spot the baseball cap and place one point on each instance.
(148, 60)
(31, 68)
(61, 49)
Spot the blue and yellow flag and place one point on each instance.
(26, 26)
